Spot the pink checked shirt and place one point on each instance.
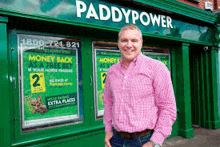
(140, 97)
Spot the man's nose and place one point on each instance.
(129, 44)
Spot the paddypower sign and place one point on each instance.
(116, 14)
(109, 15)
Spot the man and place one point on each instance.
(139, 101)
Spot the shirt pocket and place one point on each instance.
(116, 86)
(141, 86)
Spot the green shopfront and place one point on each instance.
(55, 55)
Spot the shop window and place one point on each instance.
(161, 54)
(50, 70)
(105, 54)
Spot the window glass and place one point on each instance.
(49, 90)
(162, 54)
(105, 54)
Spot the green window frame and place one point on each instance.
(23, 134)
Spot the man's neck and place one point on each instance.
(126, 63)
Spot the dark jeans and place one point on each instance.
(118, 141)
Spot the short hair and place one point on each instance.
(129, 27)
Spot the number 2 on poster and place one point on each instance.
(103, 78)
(37, 82)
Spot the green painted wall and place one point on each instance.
(218, 77)
(5, 96)
(193, 74)
(182, 89)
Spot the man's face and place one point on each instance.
(130, 44)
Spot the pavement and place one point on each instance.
(202, 138)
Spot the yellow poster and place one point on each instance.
(103, 78)
(37, 82)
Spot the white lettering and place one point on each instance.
(91, 12)
(155, 18)
(115, 9)
(54, 102)
(135, 16)
(163, 21)
(142, 19)
(169, 22)
(68, 100)
(126, 14)
(101, 13)
(79, 8)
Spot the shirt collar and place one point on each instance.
(134, 61)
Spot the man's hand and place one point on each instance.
(108, 136)
(148, 144)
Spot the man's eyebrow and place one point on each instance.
(134, 40)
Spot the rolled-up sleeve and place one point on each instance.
(165, 101)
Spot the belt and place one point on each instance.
(127, 135)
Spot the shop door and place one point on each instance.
(196, 66)
(201, 88)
